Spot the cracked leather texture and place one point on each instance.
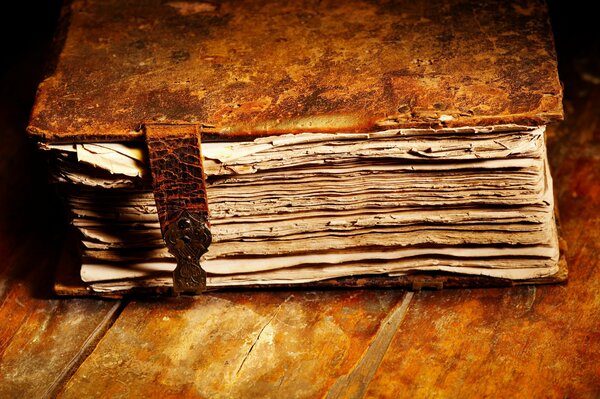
(177, 176)
(179, 189)
(267, 67)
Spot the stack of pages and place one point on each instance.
(305, 207)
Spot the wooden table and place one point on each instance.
(517, 342)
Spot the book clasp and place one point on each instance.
(188, 239)
(179, 187)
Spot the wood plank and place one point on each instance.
(267, 345)
(43, 341)
(526, 341)
(354, 384)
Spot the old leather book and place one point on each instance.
(316, 143)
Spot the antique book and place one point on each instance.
(205, 145)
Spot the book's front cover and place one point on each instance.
(266, 67)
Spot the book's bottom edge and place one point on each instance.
(68, 281)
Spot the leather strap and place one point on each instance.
(180, 194)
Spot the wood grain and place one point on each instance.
(266, 345)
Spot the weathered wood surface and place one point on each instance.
(237, 345)
(514, 342)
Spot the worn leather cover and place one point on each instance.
(253, 67)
